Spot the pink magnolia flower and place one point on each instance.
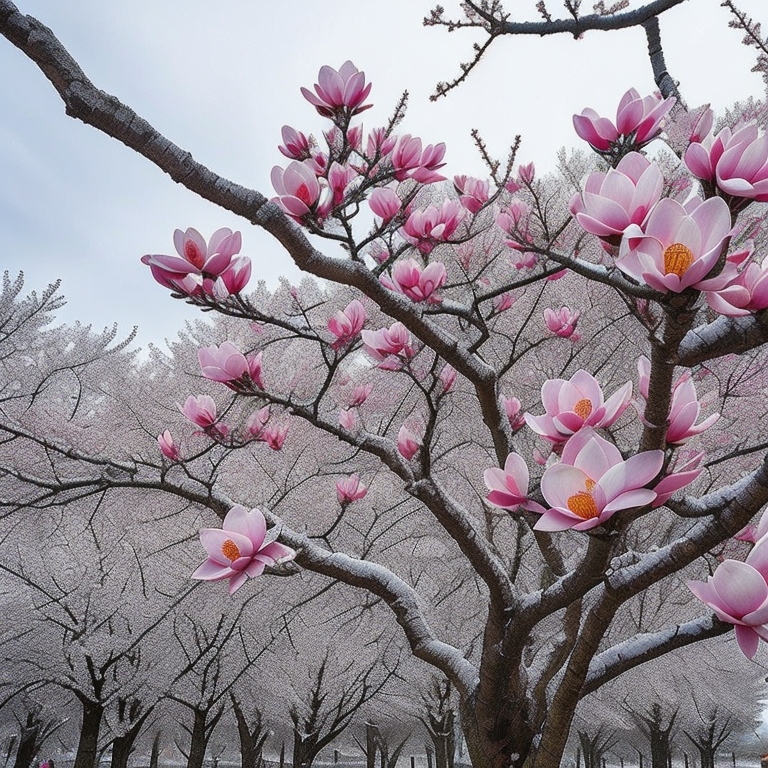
(574, 404)
(513, 409)
(200, 264)
(742, 295)
(738, 594)
(241, 548)
(625, 195)
(200, 410)
(379, 144)
(360, 395)
(427, 227)
(524, 259)
(339, 179)
(473, 193)
(447, 377)
(562, 322)
(254, 427)
(347, 324)
(592, 482)
(339, 94)
(509, 486)
(526, 173)
(411, 162)
(168, 447)
(295, 145)
(408, 443)
(228, 365)
(416, 283)
(274, 436)
(503, 302)
(350, 489)
(514, 217)
(385, 203)
(637, 119)
(348, 419)
(736, 160)
(684, 408)
(675, 249)
(678, 477)
(234, 278)
(395, 340)
(299, 192)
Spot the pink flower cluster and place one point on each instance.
(415, 282)
(208, 270)
(638, 121)
(347, 324)
(390, 347)
(562, 322)
(228, 365)
(431, 226)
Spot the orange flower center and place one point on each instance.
(230, 551)
(677, 259)
(583, 505)
(583, 408)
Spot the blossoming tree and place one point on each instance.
(494, 330)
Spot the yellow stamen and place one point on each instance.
(677, 259)
(583, 505)
(583, 408)
(230, 551)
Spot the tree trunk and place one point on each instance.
(28, 746)
(154, 757)
(250, 757)
(370, 745)
(199, 741)
(707, 756)
(122, 746)
(496, 737)
(87, 747)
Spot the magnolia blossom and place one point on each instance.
(427, 227)
(735, 159)
(360, 395)
(411, 162)
(684, 408)
(416, 283)
(168, 447)
(408, 443)
(347, 324)
(513, 409)
(625, 195)
(339, 94)
(274, 435)
(592, 482)
(350, 489)
(509, 486)
(202, 268)
(574, 404)
(447, 377)
(242, 547)
(299, 191)
(678, 246)
(200, 410)
(473, 193)
(526, 173)
(637, 119)
(348, 418)
(503, 302)
(379, 144)
(562, 322)
(395, 340)
(742, 295)
(295, 145)
(683, 473)
(385, 203)
(227, 364)
(254, 427)
(738, 594)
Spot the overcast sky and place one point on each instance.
(220, 79)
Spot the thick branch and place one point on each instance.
(648, 646)
(724, 336)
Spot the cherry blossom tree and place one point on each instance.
(461, 391)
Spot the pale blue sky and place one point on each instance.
(221, 79)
